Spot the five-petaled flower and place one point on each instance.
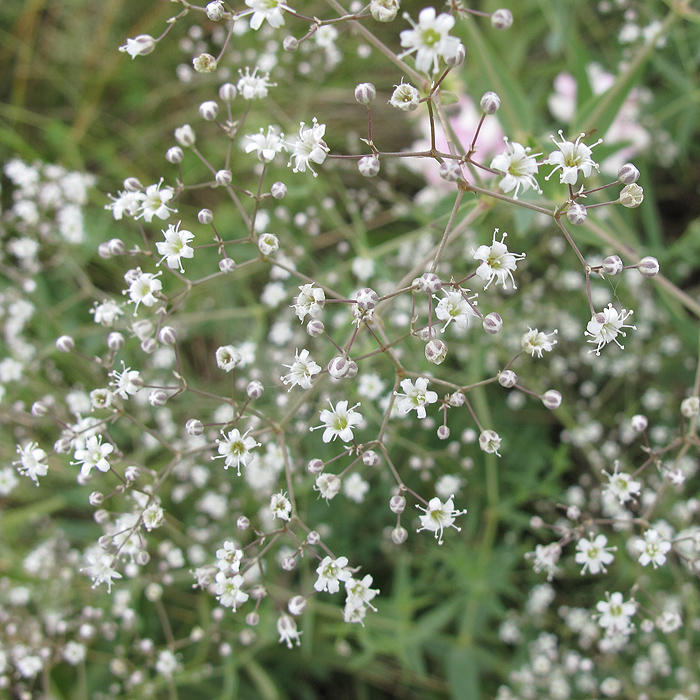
(430, 39)
(604, 327)
(497, 262)
(415, 396)
(594, 554)
(309, 147)
(340, 421)
(235, 449)
(175, 246)
(518, 167)
(438, 516)
(571, 157)
(330, 573)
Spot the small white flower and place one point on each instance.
(144, 288)
(518, 167)
(340, 421)
(228, 590)
(330, 573)
(496, 261)
(107, 313)
(127, 382)
(430, 39)
(287, 630)
(228, 357)
(309, 147)
(251, 86)
(536, 342)
(142, 45)
(235, 449)
(153, 516)
(127, 203)
(301, 371)
(455, 306)
(155, 202)
(439, 516)
(280, 506)
(175, 246)
(415, 396)
(605, 326)
(93, 455)
(310, 300)
(652, 549)
(32, 461)
(355, 488)
(571, 157)
(545, 558)
(405, 97)
(360, 593)
(101, 568)
(593, 554)
(490, 442)
(270, 10)
(328, 485)
(267, 145)
(229, 557)
(616, 613)
(622, 485)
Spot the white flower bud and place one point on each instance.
(142, 558)
(429, 282)
(450, 171)
(631, 196)
(95, 499)
(384, 10)
(255, 389)
(227, 265)
(315, 327)
(149, 345)
(194, 427)
(223, 177)
(370, 458)
(490, 103)
(242, 523)
(399, 535)
(132, 184)
(313, 538)
(288, 563)
(65, 343)
(209, 110)
(397, 504)
(252, 619)
(457, 58)
(115, 341)
(116, 246)
(507, 378)
(141, 45)
(315, 466)
(490, 442)
(427, 333)
(502, 19)
(205, 216)
(215, 10)
(457, 399)
(352, 370)
(228, 92)
(167, 335)
(296, 605)
(39, 409)
(132, 473)
(339, 367)
(405, 97)
(157, 398)
(204, 63)
(290, 44)
(436, 352)
(143, 328)
(365, 93)
(174, 155)
(443, 432)
(366, 298)
(573, 512)
(103, 251)
(185, 135)
(368, 166)
(639, 423)
(551, 399)
(612, 265)
(576, 214)
(690, 407)
(628, 174)
(268, 243)
(648, 266)
(492, 323)
(278, 190)
(63, 446)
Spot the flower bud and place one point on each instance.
(399, 535)
(194, 427)
(313, 538)
(215, 10)
(507, 378)
(115, 341)
(228, 92)
(65, 343)
(573, 512)
(457, 58)
(457, 399)
(132, 473)
(157, 398)
(63, 446)
(352, 370)
(103, 251)
(384, 10)
(631, 196)
(648, 266)
(205, 216)
(370, 458)
(639, 423)
(339, 367)
(315, 466)
(268, 243)
(143, 557)
(551, 399)
(296, 605)
(690, 407)
(405, 97)
(429, 282)
(185, 135)
(612, 265)
(255, 389)
(490, 103)
(39, 409)
(576, 214)
(315, 327)
(290, 44)
(450, 171)
(436, 352)
(141, 45)
(149, 345)
(627, 174)
(443, 432)
(288, 563)
(204, 63)
(365, 93)
(278, 190)
(366, 298)
(132, 184)
(489, 441)
(492, 323)
(95, 499)
(242, 523)
(368, 166)
(227, 265)
(252, 619)
(502, 19)
(167, 335)
(174, 155)
(397, 504)
(209, 110)
(223, 177)
(143, 329)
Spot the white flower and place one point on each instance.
(652, 548)
(143, 288)
(127, 382)
(125, 203)
(405, 97)
(229, 557)
(106, 313)
(8, 480)
(142, 45)
(339, 421)
(267, 145)
(153, 516)
(31, 461)
(74, 653)
(439, 516)
(360, 593)
(518, 167)
(310, 300)
(235, 449)
(545, 558)
(430, 39)
(175, 246)
(490, 442)
(328, 485)
(101, 569)
(621, 485)
(167, 663)
(228, 590)
(287, 630)
(455, 307)
(301, 371)
(415, 396)
(593, 554)
(94, 454)
(280, 506)
(228, 357)
(270, 10)
(155, 202)
(615, 614)
(309, 147)
(252, 86)
(536, 342)
(605, 326)
(371, 386)
(571, 157)
(496, 261)
(355, 488)
(330, 573)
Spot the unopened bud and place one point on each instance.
(451, 171)
(296, 605)
(252, 619)
(639, 422)
(278, 190)
(209, 110)
(397, 504)
(436, 352)
(339, 367)
(313, 538)
(167, 335)
(194, 427)
(185, 135)
(115, 341)
(490, 103)
(132, 184)
(174, 155)
(149, 345)
(366, 298)
(65, 343)
(368, 166)
(365, 93)
(255, 389)
(290, 44)
(95, 499)
(576, 214)
(242, 523)
(223, 177)
(551, 399)
(215, 10)
(288, 563)
(315, 466)
(399, 535)
(429, 282)
(315, 327)
(227, 265)
(492, 323)
(502, 19)
(457, 58)
(612, 265)
(628, 174)
(157, 398)
(443, 432)
(507, 378)
(205, 216)
(648, 266)
(370, 458)
(631, 196)
(228, 92)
